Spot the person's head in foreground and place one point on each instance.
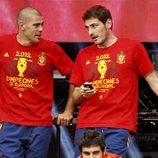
(92, 145)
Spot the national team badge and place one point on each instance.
(121, 58)
(42, 59)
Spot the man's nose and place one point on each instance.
(90, 31)
(40, 28)
(91, 156)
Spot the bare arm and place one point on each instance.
(152, 80)
(81, 93)
(76, 96)
(65, 117)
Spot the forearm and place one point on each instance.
(152, 80)
(155, 88)
(65, 117)
(70, 103)
(77, 96)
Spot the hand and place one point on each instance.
(86, 92)
(64, 118)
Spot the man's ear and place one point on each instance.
(22, 24)
(108, 23)
(104, 150)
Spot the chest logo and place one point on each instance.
(102, 68)
(42, 59)
(21, 66)
(121, 58)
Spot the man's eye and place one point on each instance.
(36, 25)
(87, 27)
(94, 26)
(86, 153)
(96, 153)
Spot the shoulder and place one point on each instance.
(49, 44)
(87, 50)
(129, 43)
(7, 37)
(127, 40)
(7, 40)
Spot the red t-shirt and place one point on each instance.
(26, 80)
(110, 155)
(113, 72)
(107, 155)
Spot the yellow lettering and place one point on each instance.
(105, 83)
(21, 82)
(23, 54)
(103, 56)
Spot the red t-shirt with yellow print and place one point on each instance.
(106, 155)
(110, 155)
(26, 80)
(113, 72)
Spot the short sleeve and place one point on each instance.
(143, 62)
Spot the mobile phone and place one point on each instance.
(88, 85)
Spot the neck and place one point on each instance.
(22, 41)
(111, 39)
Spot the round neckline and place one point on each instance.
(111, 46)
(29, 46)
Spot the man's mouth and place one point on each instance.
(94, 38)
(38, 36)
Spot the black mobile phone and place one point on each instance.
(88, 85)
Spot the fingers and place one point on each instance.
(87, 91)
(63, 119)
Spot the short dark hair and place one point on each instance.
(99, 12)
(91, 138)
